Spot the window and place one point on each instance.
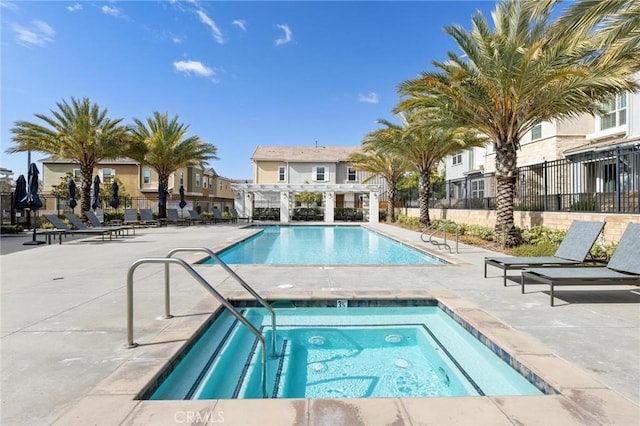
(204, 183)
(615, 113)
(108, 175)
(536, 132)
(281, 176)
(76, 174)
(457, 159)
(477, 188)
(146, 176)
(351, 174)
(197, 180)
(320, 174)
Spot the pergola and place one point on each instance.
(245, 194)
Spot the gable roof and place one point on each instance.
(303, 153)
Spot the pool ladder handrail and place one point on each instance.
(233, 274)
(210, 289)
(443, 226)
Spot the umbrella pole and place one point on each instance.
(33, 241)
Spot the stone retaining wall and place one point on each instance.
(616, 223)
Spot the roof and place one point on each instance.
(603, 145)
(303, 153)
(105, 161)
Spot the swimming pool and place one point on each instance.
(326, 245)
(330, 352)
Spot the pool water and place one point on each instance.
(417, 351)
(333, 245)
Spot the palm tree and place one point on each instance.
(79, 131)
(380, 163)
(524, 71)
(161, 144)
(423, 144)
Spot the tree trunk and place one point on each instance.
(506, 171)
(391, 196)
(424, 183)
(163, 182)
(86, 179)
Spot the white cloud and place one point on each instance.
(194, 67)
(112, 11)
(8, 5)
(286, 37)
(241, 23)
(217, 34)
(369, 98)
(75, 7)
(39, 33)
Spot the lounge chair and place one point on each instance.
(146, 218)
(79, 225)
(131, 218)
(217, 217)
(622, 269)
(172, 217)
(61, 226)
(194, 217)
(95, 222)
(573, 250)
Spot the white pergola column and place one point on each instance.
(247, 208)
(373, 207)
(329, 205)
(284, 207)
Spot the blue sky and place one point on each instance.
(239, 73)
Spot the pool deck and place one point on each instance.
(63, 337)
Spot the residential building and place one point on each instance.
(581, 164)
(282, 173)
(204, 188)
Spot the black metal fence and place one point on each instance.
(605, 182)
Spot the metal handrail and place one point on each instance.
(442, 226)
(234, 275)
(207, 286)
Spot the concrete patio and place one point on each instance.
(63, 334)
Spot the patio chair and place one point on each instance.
(95, 222)
(79, 225)
(573, 250)
(61, 226)
(217, 217)
(172, 217)
(146, 218)
(622, 269)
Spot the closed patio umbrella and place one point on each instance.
(32, 201)
(115, 201)
(96, 193)
(182, 202)
(20, 193)
(71, 202)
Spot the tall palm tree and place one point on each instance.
(423, 143)
(162, 144)
(79, 131)
(525, 70)
(380, 163)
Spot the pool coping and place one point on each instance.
(580, 399)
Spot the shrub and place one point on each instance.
(110, 215)
(543, 248)
(11, 229)
(538, 234)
